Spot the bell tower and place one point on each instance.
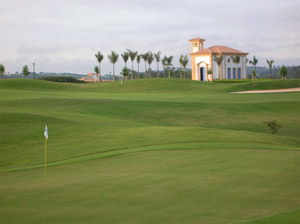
(197, 44)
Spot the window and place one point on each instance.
(228, 60)
(194, 44)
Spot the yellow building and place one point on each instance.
(203, 61)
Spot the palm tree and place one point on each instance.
(132, 55)
(25, 70)
(150, 60)
(125, 72)
(164, 62)
(219, 60)
(125, 57)
(113, 58)
(145, 58)
(96, 69)
(254, 62)
(138, 59)
(283, 71)
(180, 62)
(185, 61)
(270, 66)
(236, 59)
(169, 64)
(2, 70)
(157, 58)
(99, 57)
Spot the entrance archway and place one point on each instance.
(202, 74)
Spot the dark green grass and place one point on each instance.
(147, 151)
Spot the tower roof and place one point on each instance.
(197, 39)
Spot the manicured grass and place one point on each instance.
(148, 151)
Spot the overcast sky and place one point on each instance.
(64, 35)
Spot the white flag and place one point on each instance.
(46, 132)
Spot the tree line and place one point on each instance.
(166, 62)
(148, 59)
(236, 59)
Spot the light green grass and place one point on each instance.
(149, 151)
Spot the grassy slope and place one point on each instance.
(172, 124)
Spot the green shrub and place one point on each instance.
(232, 80)
(61, 79)
(273, 125)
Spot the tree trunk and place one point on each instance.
(131, 69)
(145, 70)
(169, 73)
(180, 72)
(113, 71)
(184, 72)
(100, 71)
(164, 72)
(157, 70)
(138, 70)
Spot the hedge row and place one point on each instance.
(61, 79)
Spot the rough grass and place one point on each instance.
(149, 151)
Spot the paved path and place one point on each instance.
(272, 91)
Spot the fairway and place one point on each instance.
(149, 151)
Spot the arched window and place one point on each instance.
(229, 73)
(234, 73)
(239, 73)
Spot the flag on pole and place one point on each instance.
(46, 137)
(46, 132)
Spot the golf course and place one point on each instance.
(149, 151)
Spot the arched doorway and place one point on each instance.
(202, 74)
(234, 73)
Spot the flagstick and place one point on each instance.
(45, 156)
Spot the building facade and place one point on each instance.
(205, 68)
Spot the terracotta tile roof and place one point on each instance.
(196, 38)
(220, 49)
(89, 78)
